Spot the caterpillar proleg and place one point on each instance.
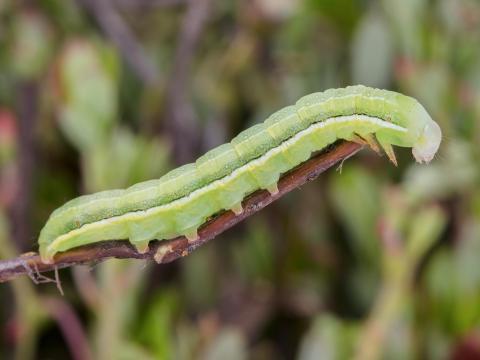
(182, 200)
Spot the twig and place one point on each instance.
(70, 327)
(27, 107)
(149, 3)
(119, 33)
(167, 251)
(179, 113)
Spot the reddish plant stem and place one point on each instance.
(70, 326)
(168, 251)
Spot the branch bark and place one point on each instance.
(169, 250)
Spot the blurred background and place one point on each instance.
(370, 262)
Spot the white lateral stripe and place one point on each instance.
(257, 162)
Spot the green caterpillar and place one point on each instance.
(181, 201)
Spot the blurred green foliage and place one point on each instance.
(368, 262)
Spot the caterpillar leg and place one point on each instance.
(237, 208)
(370, 139)
(367, 139)
(272, 189)
(191, 235)
(141, 246)
(139, 236)
(388, 148)
(47, 258)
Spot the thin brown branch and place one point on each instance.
(27, 107)
(70, 326)
(122, 37)
(179, 114)
(167, 251)
(149, 3)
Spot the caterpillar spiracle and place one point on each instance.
(182, 200)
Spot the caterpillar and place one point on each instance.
(182, 200)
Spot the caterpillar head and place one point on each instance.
(426, 134)
(423, 134)
(427, 143)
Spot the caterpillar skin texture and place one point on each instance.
(182, 200)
